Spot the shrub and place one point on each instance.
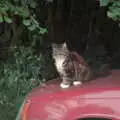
(19, 74)
(113, 8)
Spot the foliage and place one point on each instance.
(113, 8)
(18, 75)
(12, 10)
(27, 53)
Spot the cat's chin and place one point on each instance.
(77, 83)
(64, 86)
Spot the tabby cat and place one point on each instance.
(72, 68)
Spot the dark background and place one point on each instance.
(86, 28)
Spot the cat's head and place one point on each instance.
(59, 48)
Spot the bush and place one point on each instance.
(19, 74)
(25, 59)
(113, 8)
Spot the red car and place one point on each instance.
(98, 98)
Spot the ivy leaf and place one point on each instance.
(116, 4)
(114, 13)
(25, 12)
(111, 15)
(7, 19)
(27, 22)
(104, 2)
(2, 10)
(43, 30)
(32, 27)
(1, 18)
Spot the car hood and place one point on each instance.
(102, 87)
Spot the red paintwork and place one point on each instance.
(97, 98)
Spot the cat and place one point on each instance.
(69, 69)
(72, 68)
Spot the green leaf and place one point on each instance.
(111, 15)
(27, 22)
(7, 19)
(104, 2)
(2, 10)
(21, 11)
(43, 30)
(32, 27)
(114, 12)
(34, 21)
(1, 18)
(25, 12)
(116, 4)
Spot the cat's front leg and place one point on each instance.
(62, 85)
(66, 82)
(77, 82)
(79, 75)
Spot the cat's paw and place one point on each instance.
(64, 86)
(77, 83)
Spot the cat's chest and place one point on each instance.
(59, 62)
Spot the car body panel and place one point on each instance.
(97, 98)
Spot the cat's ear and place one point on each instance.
(64, 45)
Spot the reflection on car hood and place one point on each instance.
(102, 87)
